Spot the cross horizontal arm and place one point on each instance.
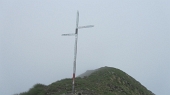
(73, 34)
(88, 26)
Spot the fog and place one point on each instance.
(129, 35)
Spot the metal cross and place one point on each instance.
(75, 47)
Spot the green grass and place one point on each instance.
(104, 81)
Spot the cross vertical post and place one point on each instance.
(75, 48)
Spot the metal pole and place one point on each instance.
(74, 64)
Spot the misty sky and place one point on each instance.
(132, 35)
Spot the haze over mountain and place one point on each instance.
(132, 35)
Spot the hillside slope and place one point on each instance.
(102, 81)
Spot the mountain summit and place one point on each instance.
(102, 81)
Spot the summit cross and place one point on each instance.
(75, 47)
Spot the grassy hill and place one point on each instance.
(103, 81)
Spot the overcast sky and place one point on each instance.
(131, 35)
